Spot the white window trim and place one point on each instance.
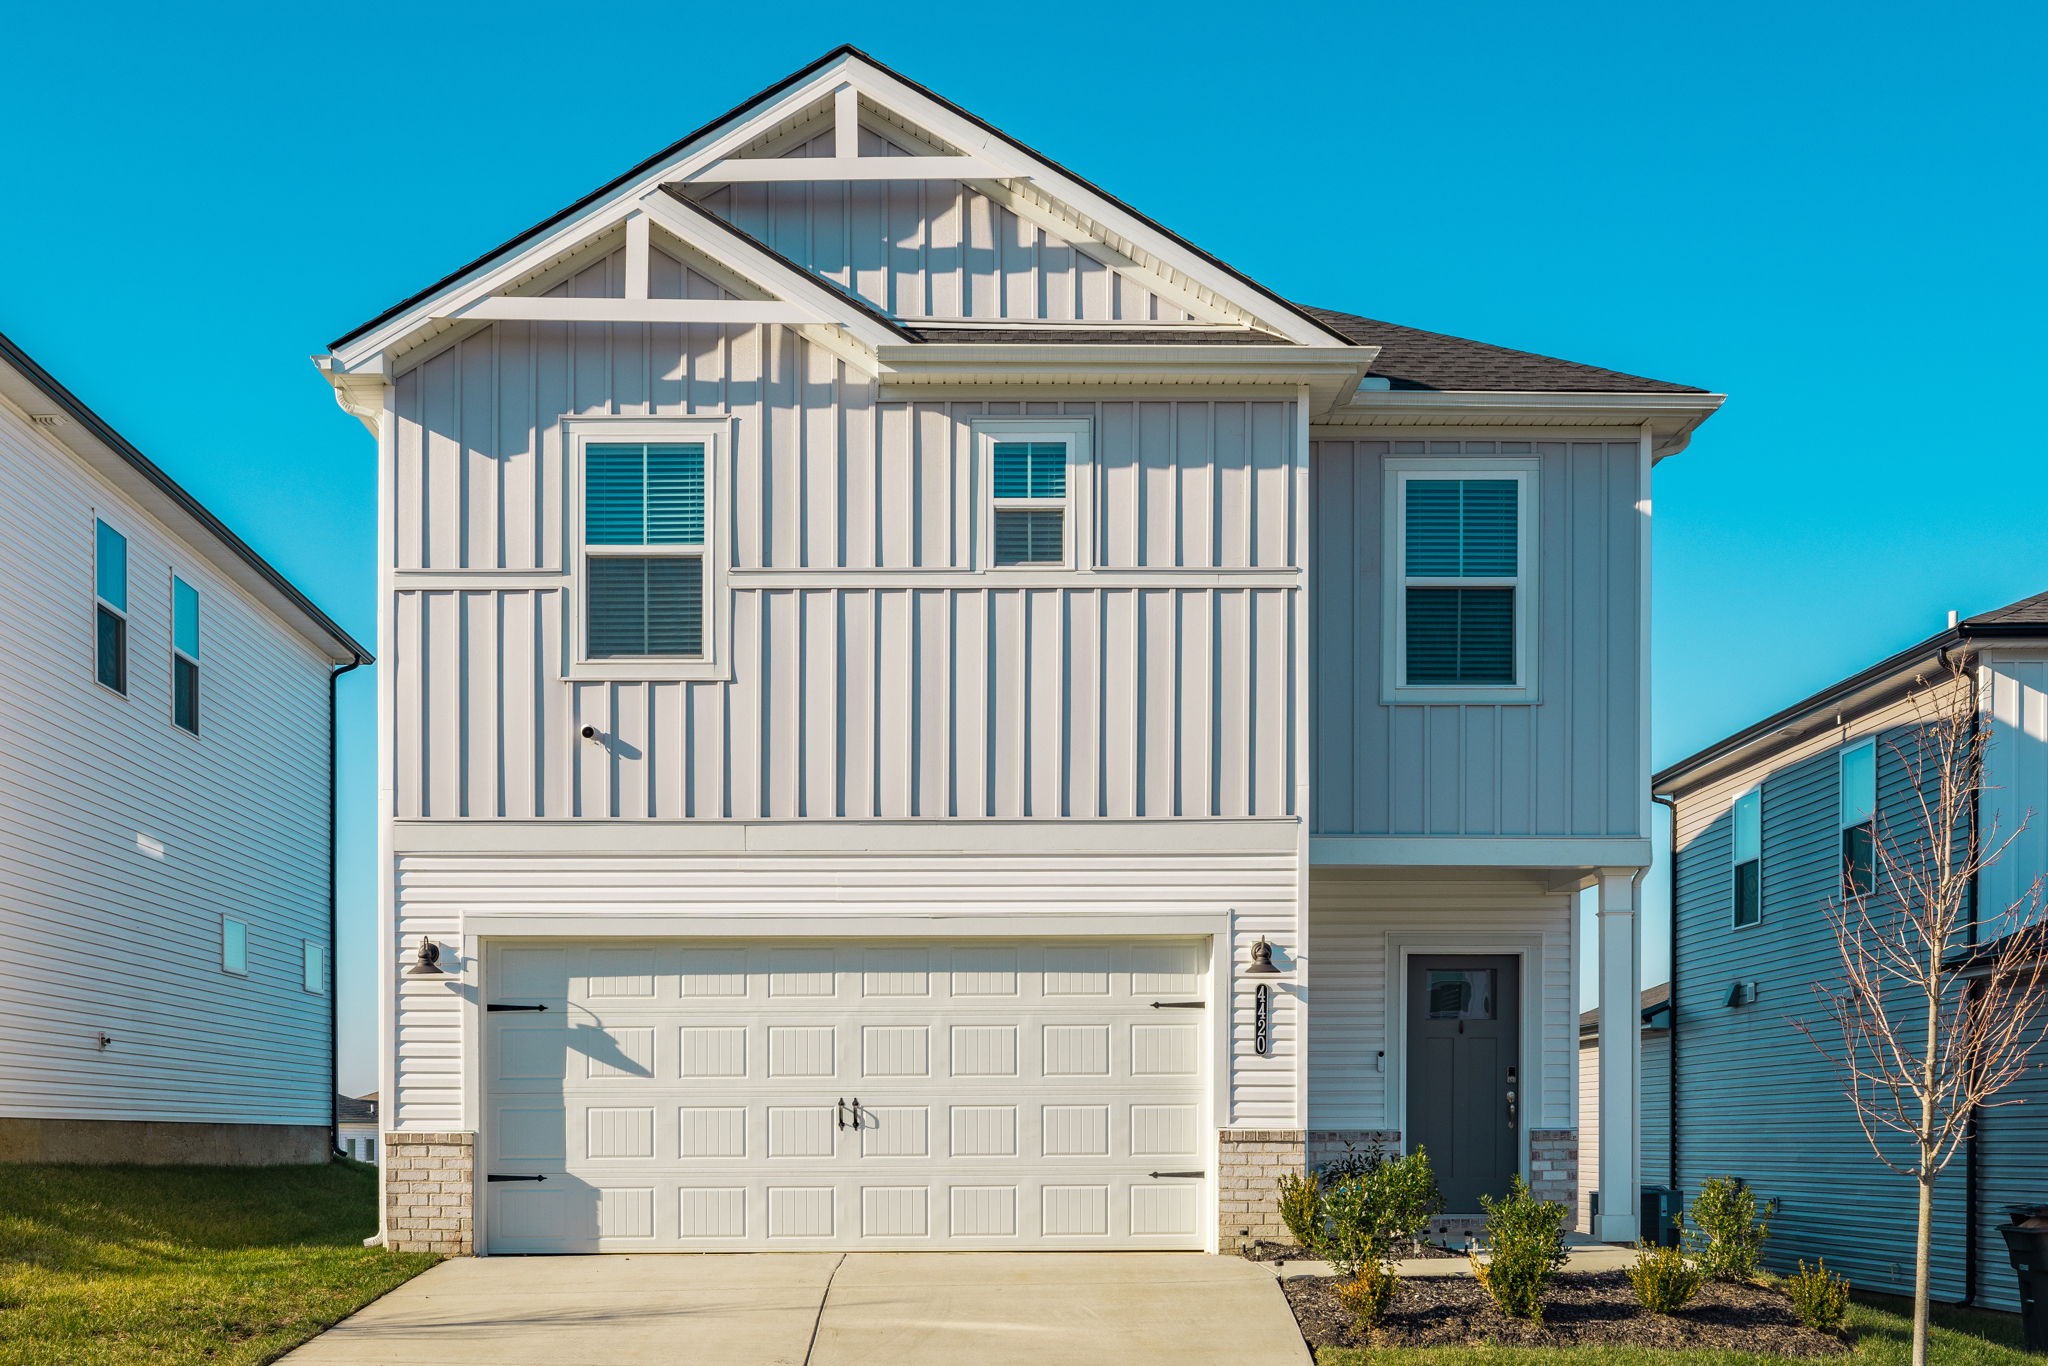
(1734, 863)
(716, 435)
(198, 672)
(127, 622)
(1394, 576)
(1078, 506)
(225, 921)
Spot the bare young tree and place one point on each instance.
(1939, 999)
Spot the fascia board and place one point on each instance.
(1672, 417)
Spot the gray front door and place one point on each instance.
(1464, 1077)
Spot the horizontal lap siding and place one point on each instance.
(101, 934)
(1653, 1154)
(1566, 765)
(932, 249)
(435, 891)
(1745, 1070)
(1349, 921)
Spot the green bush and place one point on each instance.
(1526, 1239)
(1368, 1295)
(1356, 1161)
(1724, 1231)
(1665, 1278)
(1301, 1207)
(1367, 1216)
(1819, 1297)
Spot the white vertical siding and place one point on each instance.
(1568, 764)
(1350, 918)
(123, 839)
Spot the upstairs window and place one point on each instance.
(1748, 858)
(1030, 502)
(234, 946)
(1460, 583)
(1859, 819)
(184, 655)
(110, 612)
(313, 966)
(644, 550)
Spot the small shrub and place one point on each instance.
(1664, 1278)
(1724, 1231)
(1369, 1214)
(1819, 1297)
(1367, 1295)
(1301, 1207)
(1526, 1238)
(1356, 1161)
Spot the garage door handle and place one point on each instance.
(499, 1176)
(500, 1005)
(1184, 1175)
(1178, 1005)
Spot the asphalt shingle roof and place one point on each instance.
(1413, 359)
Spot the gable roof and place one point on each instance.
(747, 106)
(2023, 620)
(1413, 359)
(1655, 1002)
(356, 1109)
(148, 484)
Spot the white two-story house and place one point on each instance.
(166, 812)
(926, 711)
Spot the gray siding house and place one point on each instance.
(1653, 1158)
(1759, 822)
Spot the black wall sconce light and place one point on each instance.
(428, 962)
(1262, 960)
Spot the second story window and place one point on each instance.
(1748, 857)
(644, 550)
(110, 610)
(184, 655)
(1460, 601)
(1030, 479)
(1859, 818)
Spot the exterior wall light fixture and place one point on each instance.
(428, 963)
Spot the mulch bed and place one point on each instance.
(1266, 1250)
(1580, 1309)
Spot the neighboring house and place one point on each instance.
(166, 813)
(1765, 822)
(927, 711)
(1653, 1141)
(356, 1127)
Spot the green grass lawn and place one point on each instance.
(170, 1265)
(1961, 1338)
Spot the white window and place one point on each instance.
(234, 946)
(1747, 858)
(313, 966)
(1034, 482)
(646, 522)
(1460, 597)
(1859, 818)
(110, 607)
(184, 655)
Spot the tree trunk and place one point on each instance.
(1923, 1260)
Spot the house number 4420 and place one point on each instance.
(1262, 1018)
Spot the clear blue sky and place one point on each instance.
(1832, 212)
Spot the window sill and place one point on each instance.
(1396, 696)
(649, 671)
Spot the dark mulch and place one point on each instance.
(1266, 1250)
(1580, 1309)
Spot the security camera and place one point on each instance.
(590, 732)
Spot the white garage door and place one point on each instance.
(703, 1095)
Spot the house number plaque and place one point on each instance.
(1262, 1018)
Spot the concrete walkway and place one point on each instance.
(824, 1309)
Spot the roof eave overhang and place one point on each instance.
(1330, 373)
(1671, 417)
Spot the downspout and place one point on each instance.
(1670, 805)
(1972, 1195)
(334, 905)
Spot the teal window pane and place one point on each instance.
(1859, 784)
(1030, 469)
(111, 576)
(1462, 528)
(185, 693)
(640, 607)
(1749, 907)
(1030, 536)
(110, 655)
(642, 494)
(1460, 637)
(1749, 823)
(185, 617)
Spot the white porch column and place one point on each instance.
(1621, 1060)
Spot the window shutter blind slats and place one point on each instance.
(1461, 636)
(1030, 536)
(675, 495)
(1030, 469)
(649, 606)
(1489, 532)
(644, 495)
(1461, 529)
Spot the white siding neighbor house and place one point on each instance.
(926, 711)
(166, 800)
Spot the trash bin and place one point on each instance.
(2026, 1243)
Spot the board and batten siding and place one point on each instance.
(932, 249)
(124, 840)
(435, 892)
(1745, 1070)
(868, 695)
(1350, 919)
(1569, 763)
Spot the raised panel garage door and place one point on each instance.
(703, 1095)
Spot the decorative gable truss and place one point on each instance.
(845, 124)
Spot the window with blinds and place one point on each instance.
(1029, 484)
(1461, 581)
(643, 550)
(184, 655)
(110, 607)
(1746, 859)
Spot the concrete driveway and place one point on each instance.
(825, 1309)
